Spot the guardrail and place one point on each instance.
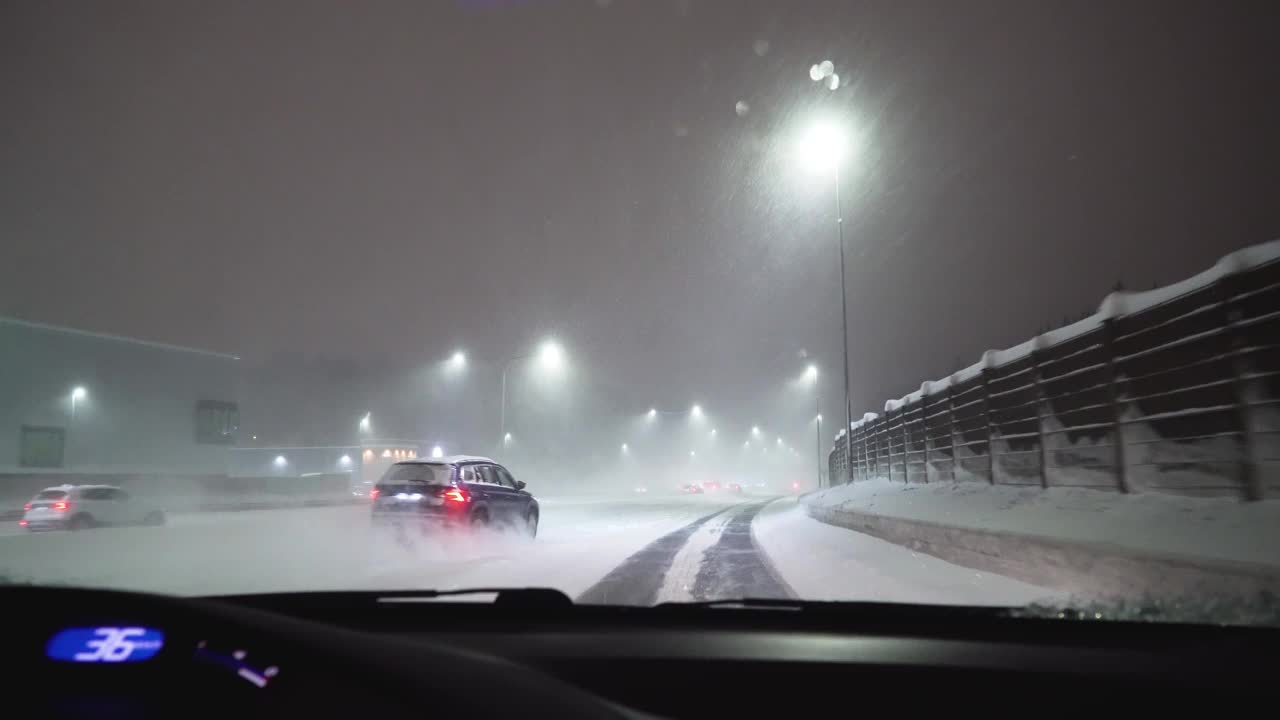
(1169, 390)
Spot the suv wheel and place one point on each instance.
(531, 524)
(480, 518)
(82, 521)
(154, 518)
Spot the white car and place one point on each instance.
(76, 507)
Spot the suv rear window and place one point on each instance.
(428, 473)
(51, 495)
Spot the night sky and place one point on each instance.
(374, 183)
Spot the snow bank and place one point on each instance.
(1209, 528)
(824, 562)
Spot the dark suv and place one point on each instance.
(454, 491)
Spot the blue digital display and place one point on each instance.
(104, 644)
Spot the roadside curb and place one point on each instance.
(1085, 569)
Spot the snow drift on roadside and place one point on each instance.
(824, 562)
(1223, 528)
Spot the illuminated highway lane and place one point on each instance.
(627, 550)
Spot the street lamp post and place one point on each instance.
(824, 147)
(551, 354)
(818, 445)
(77, 394)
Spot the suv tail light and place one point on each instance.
(27, 506)
(373, 493)
(61, 505)
(456, 495)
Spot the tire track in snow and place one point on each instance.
(678, 584)
(734, 568)
(639, 579)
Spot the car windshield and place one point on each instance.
(964, 304)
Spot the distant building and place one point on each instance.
(78, 406)
(364, 463)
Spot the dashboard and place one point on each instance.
(83, 653)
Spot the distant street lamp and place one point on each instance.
(550, 357)
(696, 411)
(78, 393)
(823, 149)
(458, 361)
(811, 375)
(437, 452)
(364, 423)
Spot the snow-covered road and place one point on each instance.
(620, 550)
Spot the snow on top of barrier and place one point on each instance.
(1114, 305)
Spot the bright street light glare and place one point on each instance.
(458, 360)
(696, 411)
(437, 452)
(624, 447)
(713, 432)
(779, 440)
(364, 423)
(506, 439)
(823, 146)
(653, 413)
(280, 461)
(78, 393)
(811, 373)
(551, 355)
(819, 417)
(755, 430)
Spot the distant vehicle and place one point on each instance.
(735, 488)
(641, 489)
(711, 486)
(78, 507)
(459, 491)
(691, 489)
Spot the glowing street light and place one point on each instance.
(811, 373)
(506, 439)
(551, 356)
(755, 430)
(437, 452)
(625, 449)
(280, 461)
(78, 393)
(457, 361)
(696, 411)
(364, 423)
(653, 413)
(823, 147)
